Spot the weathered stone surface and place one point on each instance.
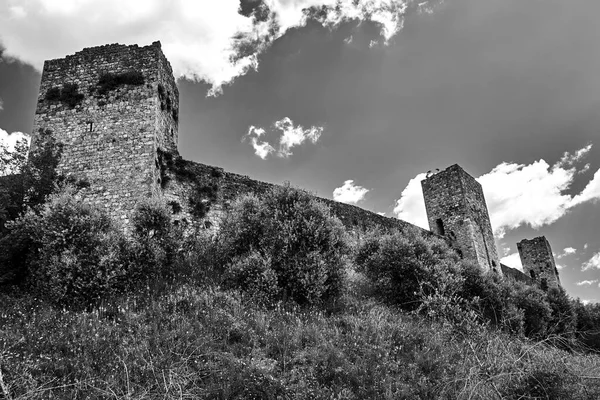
(456, 209)
(111, 140)
(538, 262)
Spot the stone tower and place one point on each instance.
(538, 262)
(456, 209)
(113, 107)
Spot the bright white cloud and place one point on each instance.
(593, 262)
(293, 136)
(569, 159)
(411, 206)
(516, 194)
(590, 193)
(567, 251)
(204, 39)
(587, 283)
(512, 260)
(290, 136)
(349, 193)
(261, 149)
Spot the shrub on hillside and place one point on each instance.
(153, 245)
(287, 235)
(70, 250)
(404, 266)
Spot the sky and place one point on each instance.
(357, 100)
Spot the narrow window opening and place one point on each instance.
(532, 274)
(544, 284)
(460, 253)
(440, 226)
(90, 126)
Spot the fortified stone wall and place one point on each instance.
(184, 180)
(456, 209)
(111, 137)
(538, 262)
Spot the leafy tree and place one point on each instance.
(289, 238)
(37, 177)
(404, 266)
(70, 252)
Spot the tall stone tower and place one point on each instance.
(456, 209)
(538, 262)
(113, 107)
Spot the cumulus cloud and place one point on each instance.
(290, 136)
(261, 149)
(593, 262)
(587, 283)
(567, 251)
(517, 194)
(208, 40)
(512, 260)
(411, 206)
(349, 193)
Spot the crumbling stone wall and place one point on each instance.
(111, 139)
(538, 262)
(456, 209)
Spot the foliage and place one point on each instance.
(36, 179)
(71, 250)
(212, 344)
(294, 235)
(68, 94)
(109, 81)
(403, 264)
(154, 244)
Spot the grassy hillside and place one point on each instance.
(208, 343)
(281, 303)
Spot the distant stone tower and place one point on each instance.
(114, 107)
(538, 262)
(456, 209)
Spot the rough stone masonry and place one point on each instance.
(456, 209)
(111, 128)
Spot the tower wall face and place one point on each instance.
(111, 139)
(456, 208)
(538, 262)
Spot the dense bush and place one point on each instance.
(296, 238)
(154, 243)
(404, 265)
(70, 251)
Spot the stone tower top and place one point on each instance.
(113, 107)
(538, 262)
(456, 209)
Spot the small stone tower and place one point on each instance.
(114, 108)
(456, 209)
(538, 262)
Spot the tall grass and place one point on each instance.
(207, 343)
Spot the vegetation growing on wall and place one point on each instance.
(110, 81)
(68, 94)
